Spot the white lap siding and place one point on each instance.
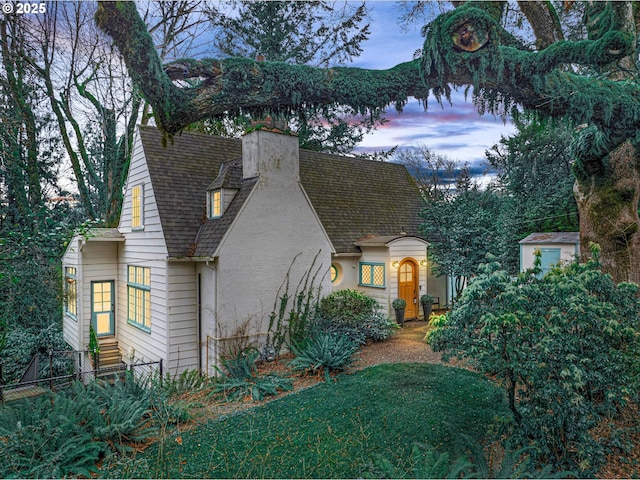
(143, 248)
(182, 317)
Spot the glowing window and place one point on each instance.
(372, 275)
(139, 297)
(71, 292)
(136, 207)
(334, 273)
(215, 204)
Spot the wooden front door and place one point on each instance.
(103, 308)
(408, 287)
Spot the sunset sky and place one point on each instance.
(456, 131)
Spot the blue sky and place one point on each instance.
(456, 131)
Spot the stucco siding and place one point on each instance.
(348, 273)
(276, 225)
(182, 317)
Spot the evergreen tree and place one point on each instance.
(317, 33)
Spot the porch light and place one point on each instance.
(423, 262)
(395, 264)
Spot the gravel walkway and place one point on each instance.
(406, 346)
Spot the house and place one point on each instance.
(209, 229)
(554, 247)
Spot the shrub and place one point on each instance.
(324, 353)
(427, 299)
(240, 379)
(352, 314)
(563, 344)
(347, 305)
(65, 434)
(399, 304)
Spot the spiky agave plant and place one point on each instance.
(324, 353)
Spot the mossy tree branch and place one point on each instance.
(188, 90)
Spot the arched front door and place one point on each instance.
(408, 287)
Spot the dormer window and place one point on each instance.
(223, 189)
(215, 204)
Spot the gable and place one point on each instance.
(180, 172)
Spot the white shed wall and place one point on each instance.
(568, 252)
(71, 325)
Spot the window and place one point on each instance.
(71, 292)
(215, 204)
(336, 273)
(139, 297)
(372, 275)
(137, 211)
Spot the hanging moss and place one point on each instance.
(442, 60)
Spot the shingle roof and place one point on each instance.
(552, 237)
(230, 175)
(181, 170)
(354, 198)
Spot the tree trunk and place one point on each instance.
(608, 208)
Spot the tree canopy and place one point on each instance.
(589, 82)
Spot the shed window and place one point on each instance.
(139, 297)
(372, 274)
(71, 292)
(137, 207)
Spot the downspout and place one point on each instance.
(214, 278)
(80, 298)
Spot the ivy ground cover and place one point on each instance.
(335, 429)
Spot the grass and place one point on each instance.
(334, 430)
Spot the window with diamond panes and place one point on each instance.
(372, 274)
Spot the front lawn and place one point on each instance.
(333, 430)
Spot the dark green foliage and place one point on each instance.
(23, 343)
(353, 314)
(127, 412)
(256, 387)
(241, 379)
(535, 174)
(425, 462)
(347, 305)
(187, 381)
(243, 365)
(462, 229)
(399, 304)
(323, 354)
(565, 345)
(67, 433)
(50, 437)
(309, 33)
